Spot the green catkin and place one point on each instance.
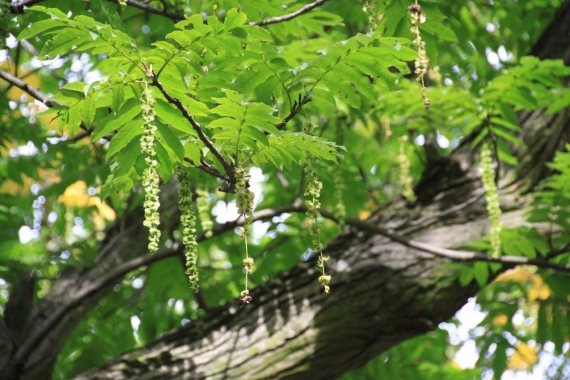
(313, 189)
(204, 212)
(405, 176)
(338, 178)
(244, 202)
(188, 221)
(150, 175)
(422, 61)
(492, 198)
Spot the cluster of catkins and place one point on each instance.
(150, 176)
(488, 179)
(188, 221)
(422, 61)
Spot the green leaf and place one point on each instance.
(113, 122)
(500, 359)
(172, 116)
(63, 43)
(466, 276)
(192, 150)
(124, 136)
(74, 118)
(127, 156)
(439, 30)
(118, 97)
(543, 328)
(481, 273)
(165, 166)
(89, 110)
(234, 18)
(40, 27)
(170, 141)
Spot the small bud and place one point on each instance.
(415, 8)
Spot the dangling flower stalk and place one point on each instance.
(313, 189)
(204, 212)
(422, 61)
(492, 198)
(339, 206)
(150, 175)
(188, 221)
(405, 176)
(244, 201)
(368, 8)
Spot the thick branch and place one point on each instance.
(290, 16)
(454, 255)
(115, 274)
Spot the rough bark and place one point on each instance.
(382, 292)
(37, 335)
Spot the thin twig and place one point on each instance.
(178, 17)
(230, 176)
(290, 16)
(150, 9)
(297, 106)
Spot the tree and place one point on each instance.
(152, 112)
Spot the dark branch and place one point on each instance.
(34, 92)
(297, 106)
(450, 253)
(290, 16)
(118, 272)
(19, 6)
(229, 177)
(151, 9)
(178, 17)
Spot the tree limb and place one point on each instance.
(35, 93)
(290, 16)
(119, 271)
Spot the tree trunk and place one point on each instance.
(382, 292)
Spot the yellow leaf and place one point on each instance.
(104, 210)
(500, 320)
(538, 289)
(518, 274)
(524, 357)
(76, 196)
(363, 214)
